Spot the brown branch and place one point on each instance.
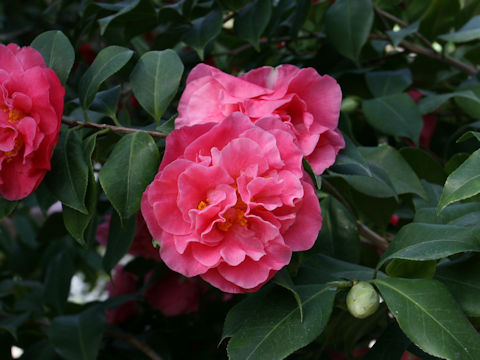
(383, 14)
(118, 129)
(132, 340)
(467, 69)
(369, 235)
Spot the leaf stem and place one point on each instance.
(113, 128)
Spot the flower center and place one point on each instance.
(234, 215)
(13, 114)
(12, 153)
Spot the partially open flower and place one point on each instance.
(231, 202)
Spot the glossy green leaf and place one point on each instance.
(120, 238)
(137, 157)
(78, 336)
(382, 83)
(60, 270)
(424, 165)
(417, 241)
(106, 102)
(57, 51)
(274, 330)
(348, 24)
(431, 102)
(402, 176)
(283, 279)
(460, 214)
(252, 20)
(469, 31)
(338, 237)
(439, 17)
(320, 269)
(122, 7)
(155, 80)
(108, 62)
(428, 314)
(469, 135)
(68, 178)
(462, 278)
(463, 183)
(396, 115)
(411, 269)
(471, 105)
(390, 345)
(204, 30)
(398, 36)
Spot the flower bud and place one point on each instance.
(350, 104)
(362, 300)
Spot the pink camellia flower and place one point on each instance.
(122, 283)
(230, 202)
(174, 294)
(309, 104)
(31, 106)
(142, 243)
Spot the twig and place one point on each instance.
(467, 69)
(118, 129)
(132, 340)
(371, 236)
(383, 14)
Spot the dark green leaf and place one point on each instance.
(469, 135)
(398, 36)
(108, 62)
(274, 330)
(123, 7)
(348, 24)
(396, 115)
(155, 80)
(204, 30)
(138, 158)
(439, 17)
(6, 207)
(338, 237)
(283, 279)
(424, 165)
(470, 104)
(462, 278)
(57, 51)
(390, 345)
(469, 31)
(106, 102)
(431, 102)
(463, 183)
(411, 269)
(430, 317)
(57, 280)
(320, 269)
(460, 214)
(120, 239)
(402, 176)
(78, 337)
(68, 178)
(11, 323)
(382, 83)
(418, 241)
(251, 21)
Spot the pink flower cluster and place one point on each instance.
(231, 200)
(31, 107)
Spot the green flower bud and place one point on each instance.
(362, 300)
(350, 104)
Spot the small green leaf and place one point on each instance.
(462, 278)
(382, 83)
(108, 62)
(106, 102)
(348, 24)
(274, 330)
(398, 36)
(120, 239)
(431, 102)
(403, 178)
(68, 178)
(57, 51)
(439, 17)
(469, 135)
(78, 337)
(138, 158)
(469, 31)
(463, 183)
(283, 279)
(155, 80)
(252, 20)
(338, 237)
(459, 214)
(204, 30)
(396, 115)
(417, 241)
(6, 207)
(123, 7)
(430, 317)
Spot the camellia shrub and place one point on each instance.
(235, 179)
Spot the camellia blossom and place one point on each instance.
(231, 202)
(309, 104)
(31, 107)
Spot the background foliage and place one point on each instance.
(400, 206)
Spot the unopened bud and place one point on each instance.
(362, 300)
